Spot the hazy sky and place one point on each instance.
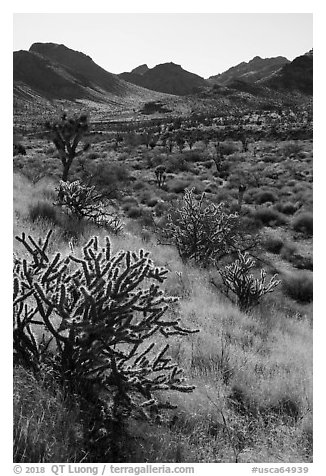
(203, 43)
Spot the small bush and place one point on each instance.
(19, 149)
(273, 244)
(265, 196)
(292, 148)
(133, 212)
(160, 208)
(268, 216)
(287, 208)
(177, 164)
(138, 185)
(303, 223)
(43, 210)
(288, 250)
(299, 286)
(151, 202)
(193, 156)
(109, 175)
(227, 148)
(177, 186)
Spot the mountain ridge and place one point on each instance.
(256, 69)
(167, 78)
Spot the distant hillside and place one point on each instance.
(166, 78)
(55, 72)
(294, 76)
(81, 67)
(44, 77)
(255, 70)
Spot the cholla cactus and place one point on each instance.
(103, 312)
(83, 201)
(202, 233)
(245, 286)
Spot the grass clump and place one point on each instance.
(43, 210)
(46, 428)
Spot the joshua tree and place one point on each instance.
(118, 139)
(180, 142)
(242, 189)
(160, 175)
(67, 133)
(191, 140)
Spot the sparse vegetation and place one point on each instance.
(249, 367)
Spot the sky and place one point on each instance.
(203, 43)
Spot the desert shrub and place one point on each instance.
(247, 289)
(208, 164)
(177, 185)
(288, 208)
(227, 148)
(19, 149)
(303, 223)
(151, 202)
(292, 148)
(288, 250)
(268, 216)
(273, 244)
(138, 185)
(108, 310)
(92, 156)
(176, 164)
(133, 212)
(193, 156)
(44, 211)
(301, 262)
(129, 199)
(265, 196)
(201, 231)
(146, 218)
(106, 175)
(160, 208)
(299, 286)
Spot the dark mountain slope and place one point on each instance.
(295, 76)
(167, 78)
(51, 72)
(45, 78)
(81, 66)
